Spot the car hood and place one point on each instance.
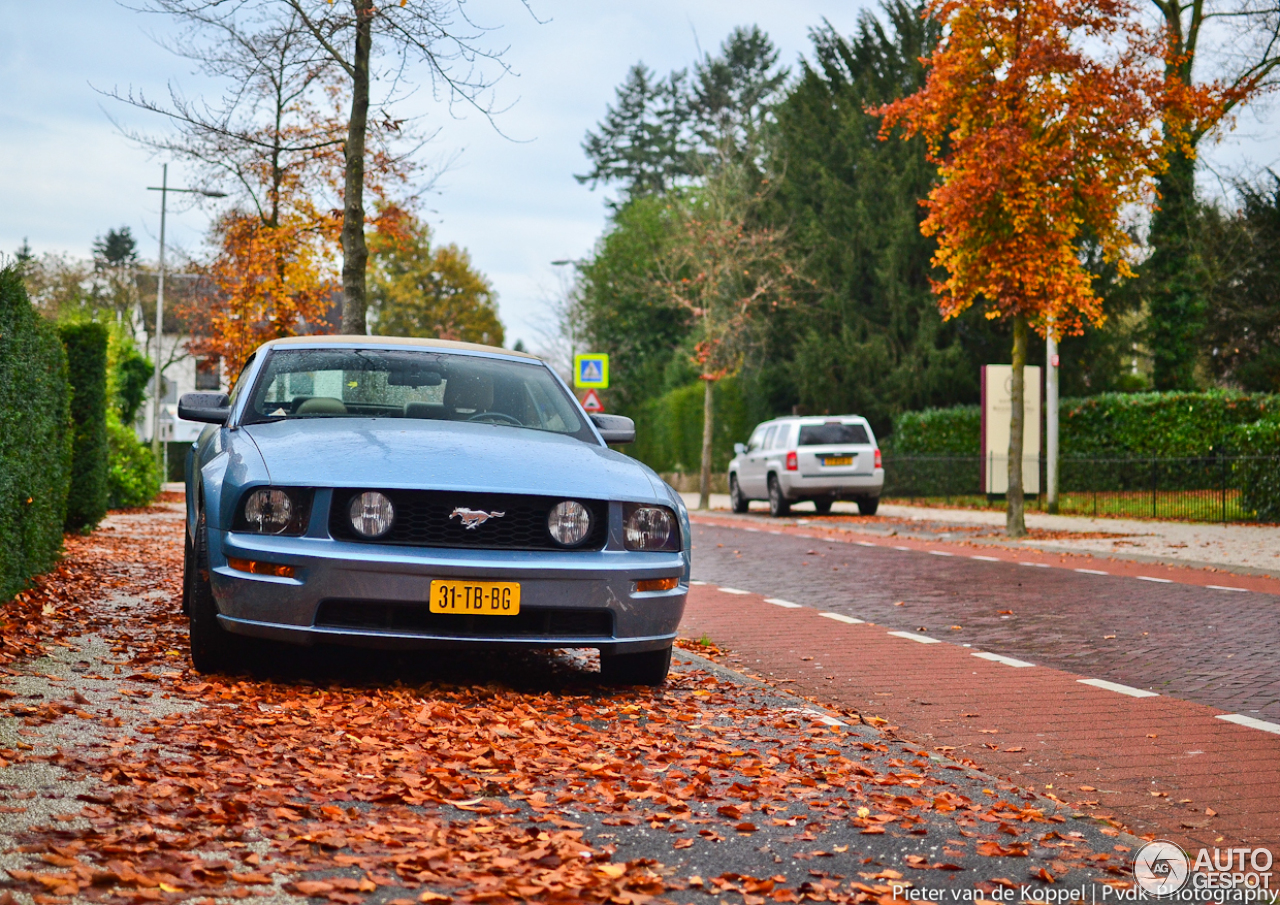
(412, 453)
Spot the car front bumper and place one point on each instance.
(795, 484)
(573, 599)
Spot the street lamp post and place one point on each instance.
(164, 190)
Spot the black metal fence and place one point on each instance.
(1213, 488)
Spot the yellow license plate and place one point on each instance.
(477, 598)
(838, 460)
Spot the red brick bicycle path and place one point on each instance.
(1157, 764)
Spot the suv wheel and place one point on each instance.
(778, 504)
(647, 668)
(737, 501)
(868, 505)
(822, 504)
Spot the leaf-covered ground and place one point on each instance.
(354, 776)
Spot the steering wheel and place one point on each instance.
(497, 418)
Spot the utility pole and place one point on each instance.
(164, 190)
(1051, 421)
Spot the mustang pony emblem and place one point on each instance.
(474, 518)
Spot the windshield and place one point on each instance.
(373, 383)
(833, 433)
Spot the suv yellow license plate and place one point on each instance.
(838, 460)
(476, 598)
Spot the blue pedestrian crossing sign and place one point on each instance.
(591, 371)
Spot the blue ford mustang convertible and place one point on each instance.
(422, 494)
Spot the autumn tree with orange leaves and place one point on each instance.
(1045, 120)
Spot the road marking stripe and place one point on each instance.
(1223, 587)
(1091, 571)
(1117, 687)
(902, 548)
(986, 558)
(912, 636)
(817, 715)
(1035, 565)
(941, 553)
(840, 617)
(731, 591)
(778, 601)
(1161, 580)
(775, 532)
(752, 530)
(1007, 661)
(697, 583)
(864, 543)
(1250, 721)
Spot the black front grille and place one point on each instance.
(418, 620)
(422, 519)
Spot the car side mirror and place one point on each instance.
(211, 408)
(739, 448)
(615, 428)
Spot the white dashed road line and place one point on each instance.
(1252, 722)
(731, 591)
(778, 601)
(912, 636)
(1091, 571)
(1007, 661)
(1222, 587)
(864, 543)
(840, 617)
(902, 548)
(1161, 580)
(1118, 688)
(941, 553)
(1035, 565)
(986, 558)
(696, 583)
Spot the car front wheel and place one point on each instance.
(213, 648)
(647, 668)
(737, 501)
(778, 504)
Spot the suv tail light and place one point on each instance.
(793, 463)
(878, 465)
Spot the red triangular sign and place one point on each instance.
(591, 402)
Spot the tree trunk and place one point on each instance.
(704, 484)
(355, 253)
(1015, 519)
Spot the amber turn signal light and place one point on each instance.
(260, 568)
(657, 584)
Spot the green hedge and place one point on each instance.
(1259, 481)
(86, 345)
(669, 428)
(134, 477)
(937, 432)
(1160, 425)
(35, 438)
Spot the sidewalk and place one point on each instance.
(1240, 548)
(1157, 764)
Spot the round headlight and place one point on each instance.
(648, 528)
(371, 514)
(268, 511)
(569, 523)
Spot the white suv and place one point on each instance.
(821, 458)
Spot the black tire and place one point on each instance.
(213, 648)
(822, 505)
(188, 564)
(779, 506)
(647, 668)
(868, 505)
(737, 502)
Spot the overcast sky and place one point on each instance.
(66, 176)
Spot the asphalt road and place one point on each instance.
(1203, 645)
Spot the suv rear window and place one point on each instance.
(832, 434)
